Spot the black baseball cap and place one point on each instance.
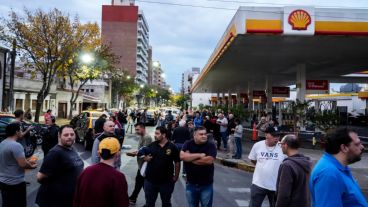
(274, 131)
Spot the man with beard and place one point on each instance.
(59, 172)
(162, 169)
(292, 188)
(331, 182)
(144, 140)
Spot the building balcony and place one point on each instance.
(140, 77)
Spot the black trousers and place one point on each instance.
(258, 194)
(14, 195)
(139, 182)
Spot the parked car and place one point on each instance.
(83, 125)
(151, 117)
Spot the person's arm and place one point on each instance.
(207, 160)
(18, 153)
(177, 171)
(285, 186)
(189, 157)
(25, 164)
(95, 158)
(41, 177)
(328, 189)
(253, 154)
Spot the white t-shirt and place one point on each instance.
(268, 160)
(223, 124)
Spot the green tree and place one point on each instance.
(124, 86)
(45, 41)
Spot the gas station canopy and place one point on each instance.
(273, 43)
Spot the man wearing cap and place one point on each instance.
(267, 156)
(100, 184)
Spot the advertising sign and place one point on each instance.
(281, 92)
(317, 86)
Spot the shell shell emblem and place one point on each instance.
(299, 19)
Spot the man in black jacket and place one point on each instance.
(292, 182)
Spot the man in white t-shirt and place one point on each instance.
(267, 156)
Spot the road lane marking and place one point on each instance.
(242, 203)
(239, 190)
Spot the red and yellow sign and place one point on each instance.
(299, 19)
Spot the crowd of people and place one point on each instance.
(281, 173)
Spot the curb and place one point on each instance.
(240, 166)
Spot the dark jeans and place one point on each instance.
(14, 195)
(179, 146)
(224, 138)
(199, 194)
(239, 150)
(151, 190)
(257, 195)
(218, 139)
(139, 182)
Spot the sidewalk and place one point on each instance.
(359, 169)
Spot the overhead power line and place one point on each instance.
(241, 9)
(280, 4)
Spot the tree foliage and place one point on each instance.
(124, 86)
(45, 42)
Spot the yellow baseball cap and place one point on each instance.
(109, 143)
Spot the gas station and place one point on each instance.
(264, 50)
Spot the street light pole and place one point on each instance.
(13, 54)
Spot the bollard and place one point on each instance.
(254, 134)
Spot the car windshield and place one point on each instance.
(96, 114)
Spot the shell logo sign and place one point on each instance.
(299, 19)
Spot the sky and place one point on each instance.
(182, 37)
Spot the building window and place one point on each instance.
(87, 90)
(92, 90)
(34, 103)
(19, 104)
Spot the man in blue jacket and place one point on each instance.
(331, 183)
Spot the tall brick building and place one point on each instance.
(125, 29)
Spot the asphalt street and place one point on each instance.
(231, 186)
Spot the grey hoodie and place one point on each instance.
(292, 187)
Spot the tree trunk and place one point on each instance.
(38, 108)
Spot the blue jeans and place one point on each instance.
(224, 138)
(151, 191)
(199, 194)
(238, 144)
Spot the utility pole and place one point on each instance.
(13, 54)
